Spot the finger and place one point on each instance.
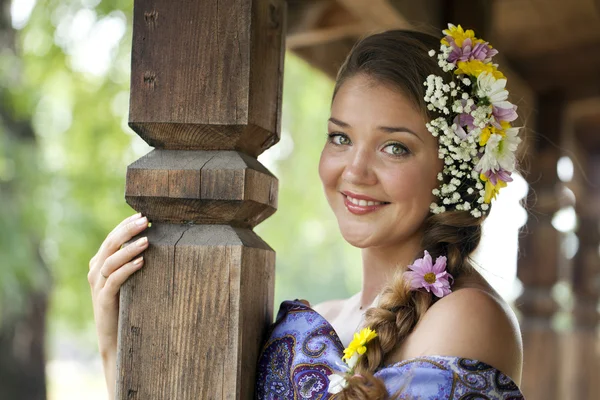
(125, 221)
(115, 240)
(117, 278)
(134, 217)
(118, 259)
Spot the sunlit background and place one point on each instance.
(70, 78)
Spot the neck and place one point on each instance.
(381, 263)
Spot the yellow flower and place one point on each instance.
(491, 190)
(357, 345)
(489, 130)
(459, 35)
(476, 67)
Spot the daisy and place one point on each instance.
(500, 151)
(431, 277)
(493, 89)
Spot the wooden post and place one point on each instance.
(584, 344)
(538, 262)
(206, 80)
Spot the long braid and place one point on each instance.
(455, 234)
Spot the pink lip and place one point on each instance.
(359, 196)
(360, 210)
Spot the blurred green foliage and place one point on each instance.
(69, 182)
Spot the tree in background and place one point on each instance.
(24, 277)
(64, 149)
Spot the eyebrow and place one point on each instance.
(387, 129)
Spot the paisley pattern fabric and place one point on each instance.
(302, 349)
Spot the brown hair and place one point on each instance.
(400, 58)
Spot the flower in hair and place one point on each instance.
(432, 277)
(476, 139)
(357, 347)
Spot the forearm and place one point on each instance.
(109, 363)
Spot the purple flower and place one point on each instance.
(504, 114)
(468, 51)
(432, 277)
(501, 174)
(483, 52)
(462, 120)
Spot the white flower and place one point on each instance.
(500, 152)
(493, 89)
(353, 360)
(337, 382)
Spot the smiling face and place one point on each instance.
(367, 155)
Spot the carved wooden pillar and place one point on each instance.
(539, 254)
(206, 81)
(584, 343)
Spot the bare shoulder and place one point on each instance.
(470, 323)
(329, 309)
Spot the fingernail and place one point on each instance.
(142, 221)
(135, 216)
(138, 260)
(142, 241)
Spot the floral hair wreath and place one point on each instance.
(476, 139)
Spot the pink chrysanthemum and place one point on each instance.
(432, 277)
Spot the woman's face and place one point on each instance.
(372, 152)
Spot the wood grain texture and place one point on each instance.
(207, 74)
(191, 321)
(203, 187)
(206, 92)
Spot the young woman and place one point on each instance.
(419, 144)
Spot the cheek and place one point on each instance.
(411, 183)
(328, 170)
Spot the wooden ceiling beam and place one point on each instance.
(376, 14)
(305, 15)
(315, 22)
(575, 70)
(323, 35)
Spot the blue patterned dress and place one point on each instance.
(302, 349)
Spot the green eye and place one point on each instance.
(332, 136)
(403, 149)
(344, 140)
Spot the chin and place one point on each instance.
(357, 236)
(361, 243)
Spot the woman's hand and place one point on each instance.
(109, 269)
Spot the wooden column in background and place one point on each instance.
(206, 93)
(584, 342)
(540, 251)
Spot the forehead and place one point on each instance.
(362, 99)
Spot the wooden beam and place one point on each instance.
(305, 15)
(323, 35)
(378, 15)
(582, 384)
(206, 82)
(541, 253)
(327, 57)
(574, 70)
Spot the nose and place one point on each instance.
(359, 168)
